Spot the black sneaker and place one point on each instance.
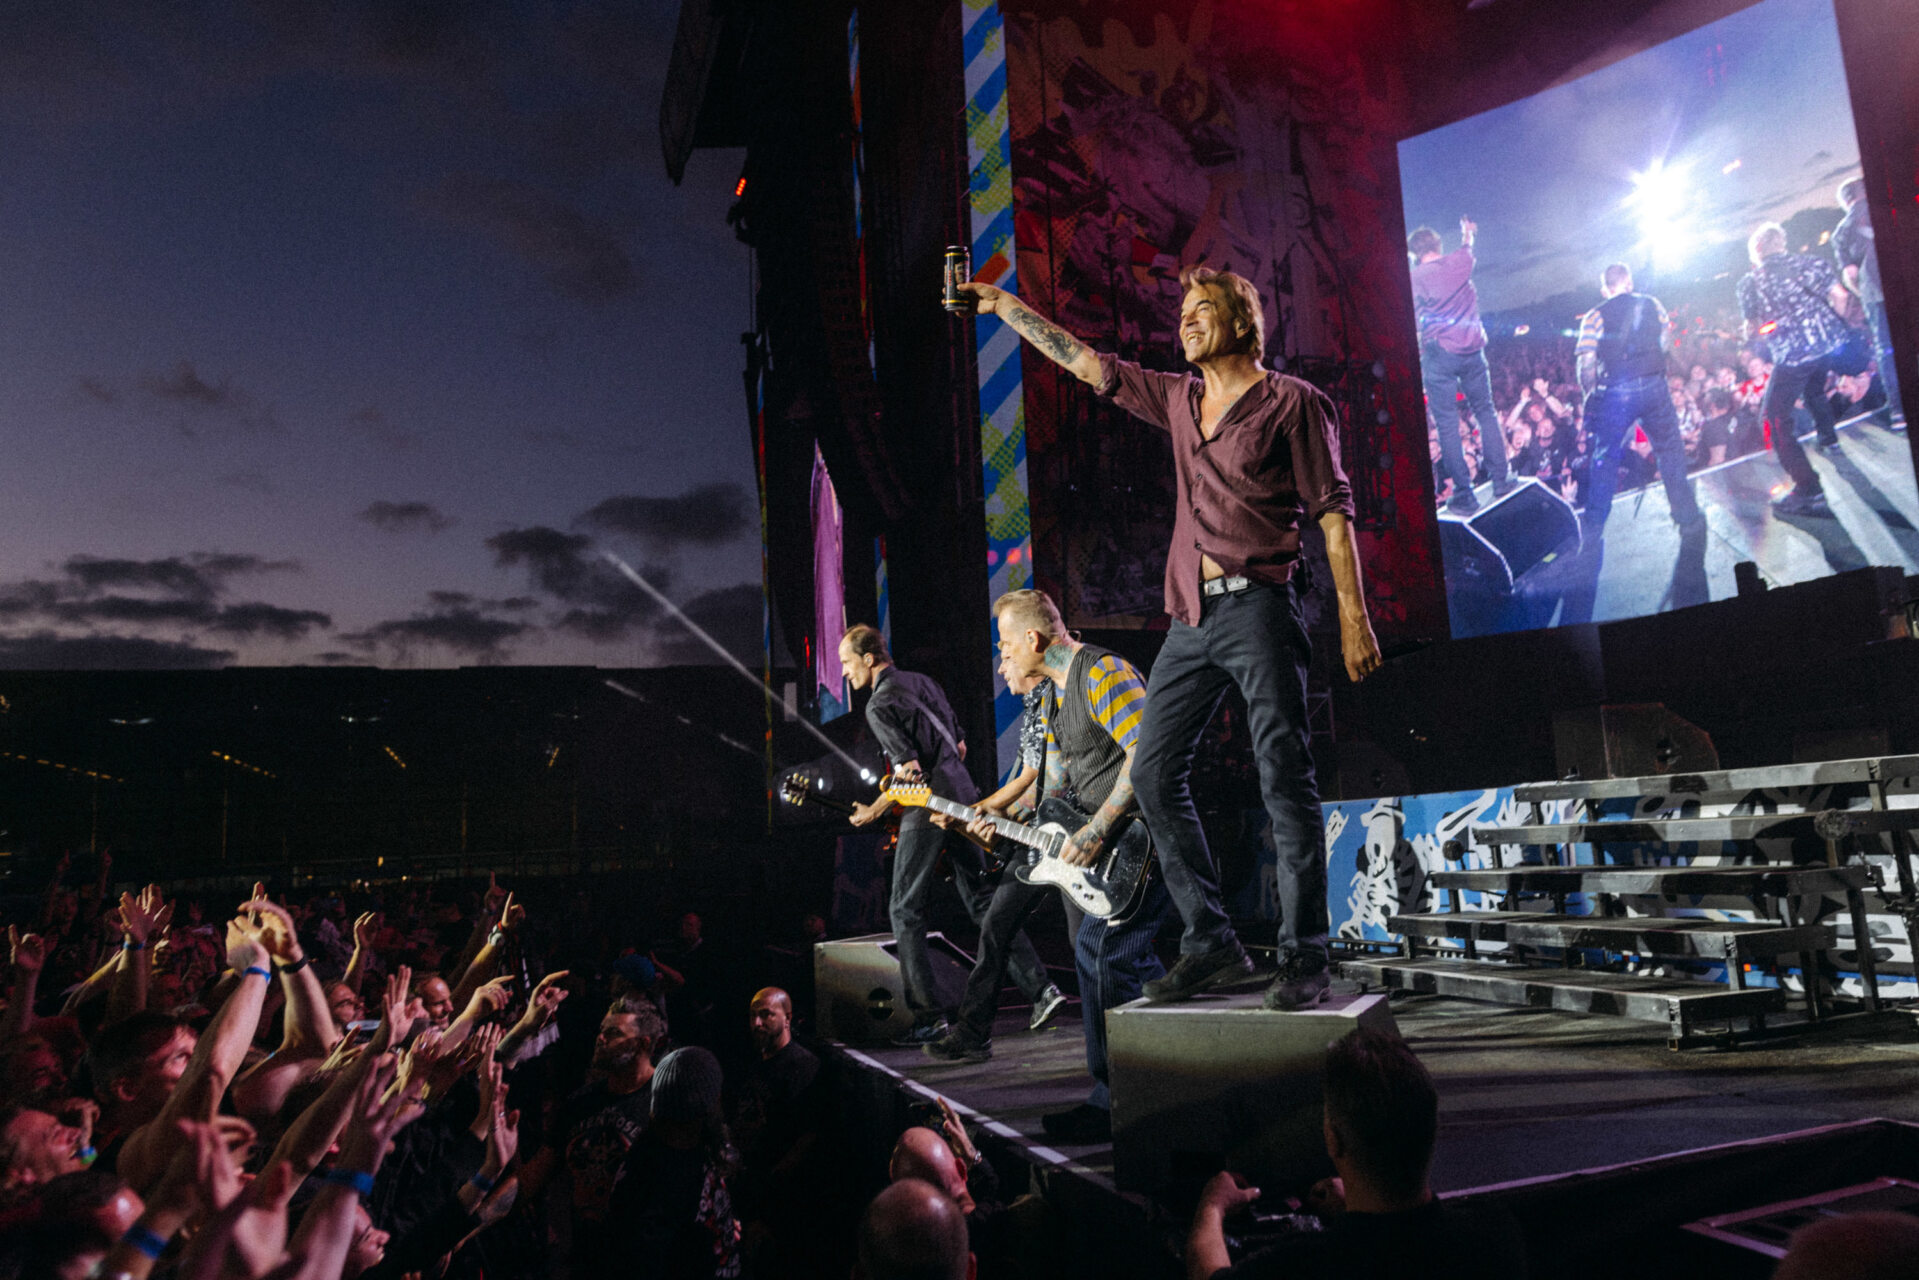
(957, 1046)
(1464, 505)
(1301, 983)
(1830, 448)
(1046, 1008)
(1503, 487)
(922, 1033)
(1083, 1126)
(1191, 975)
(1801, 503)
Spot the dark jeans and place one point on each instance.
(999, 933)
(1115, 961)
(1447, 376)
(915, 872)
(1610, 414)
(1256, 640)
(1790, 382)
(1888, 360)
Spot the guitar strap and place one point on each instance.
(939, 726)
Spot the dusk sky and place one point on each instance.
(1747, 117)
(353, 332)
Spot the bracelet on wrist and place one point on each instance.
(146, 1240)
(128, 944)
(497, 938)
(253, 969)
(295, 966)
(359, 1183)
(483, 1183)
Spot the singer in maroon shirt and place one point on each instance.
(1254, 454)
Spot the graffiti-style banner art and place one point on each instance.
(1002, 411)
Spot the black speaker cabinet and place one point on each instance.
(1496, 545)
(860, 997)
(1220, 1083)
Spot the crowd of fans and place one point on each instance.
(409, 1082)
(1717, 383)
(393, 1083)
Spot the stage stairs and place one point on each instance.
(1631, 955)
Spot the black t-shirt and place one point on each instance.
(597, 1128)
(1434, 1242)
(775, 1106)
(1716, 432)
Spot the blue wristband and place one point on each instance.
(146, 1241)
(361, 1183)
(128, 944)
(87, 1156)
(254, 968)
(484, 1183)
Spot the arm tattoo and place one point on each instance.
(1060, 346)
(1119, 801)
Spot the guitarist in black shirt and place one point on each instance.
(1091, 731)
(917, 730)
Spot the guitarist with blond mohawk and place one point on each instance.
(1092, 728)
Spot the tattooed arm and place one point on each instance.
(1053, 342)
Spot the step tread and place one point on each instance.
(1655, 935)
(1717, 781)
(1766, 879)
(1819, 823)
(1674, 1000)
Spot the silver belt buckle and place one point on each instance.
(1225, 586)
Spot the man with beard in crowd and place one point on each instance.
(597, 1126)
(778, 1123)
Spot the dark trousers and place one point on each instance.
(1000, 931)
(1790, 382)
(1888, 360)
(1115, 961)
(915, 872)
(1447, 377)
(1253, 639)
(1610, 414)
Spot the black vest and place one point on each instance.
(1630, 348)
(1090, 755)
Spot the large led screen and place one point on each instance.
(1651, 340)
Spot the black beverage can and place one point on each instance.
(959, 270)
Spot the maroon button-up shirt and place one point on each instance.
(1273, 459)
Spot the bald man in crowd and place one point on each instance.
(913, 1231)
(778, 1119)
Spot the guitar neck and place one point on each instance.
(1005, 826)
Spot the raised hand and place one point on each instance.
(489, 998)
(985, 298)
(378, 1114)
(245, 950)
(277, 932)
(398, 1007)
(363, 929)
(144, 916)
(29, 950)
(495, 900)
(511, 915)
(545, 1000)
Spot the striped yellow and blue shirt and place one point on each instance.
(1117, 696)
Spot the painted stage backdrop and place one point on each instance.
(1158, 138)
(1381, 854)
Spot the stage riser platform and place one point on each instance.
(1658, 936)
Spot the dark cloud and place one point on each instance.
(45, 651)
(334, 658)
(580, 255)
(406, 517)
(197, 405)
(134, 609)
(94, 389)
(708, 514)
(251, 481)
(733, 616)
(602, 604)
(257, 619)
(459, 630)
(373, 424)
(200, 576)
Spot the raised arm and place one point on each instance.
(216, 1060)
(362, 952)
(29, 957)
(1053, 342)
(142, 918)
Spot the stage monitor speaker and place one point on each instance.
(1220, 1083)
(860, 997)
(1629, 740)
(1496, 545)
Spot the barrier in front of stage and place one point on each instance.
(861, 1000)
(1219, 1082)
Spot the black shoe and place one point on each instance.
(1046, 1008)
(1503, 487)
(1083, 1126)
(922, 1033)
(1801, 503)
(1191, 975)
(1830, 448)
(957, 1046)
(1300, 983)
(1463, 505)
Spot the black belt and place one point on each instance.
(1225, 586)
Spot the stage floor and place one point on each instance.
(1523, 1093)
(1644, 565)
